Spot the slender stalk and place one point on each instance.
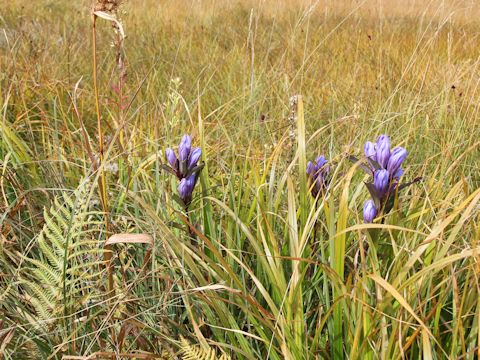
(102, 186)
(190, 231)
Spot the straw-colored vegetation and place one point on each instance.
(256, 268)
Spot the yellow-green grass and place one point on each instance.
(264, 271)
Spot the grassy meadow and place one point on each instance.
(102, 256)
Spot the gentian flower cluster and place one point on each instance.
(318, 172)
(185, 167)
(385, 166)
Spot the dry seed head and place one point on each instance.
(107, 5)
(293, 101)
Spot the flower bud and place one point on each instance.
(396, 159)
(171, 157)
(320, 161)
(310, 168)
(369, 149)
(184, 147)
(185, 188)
(383, 150)
(381, 181)
(318, 175)
(194, 157)
(369, 211)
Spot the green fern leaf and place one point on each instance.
(63, 275)
(195, 352)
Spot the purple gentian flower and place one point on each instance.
(184, 147)
(386, 168)
(194, 157)
(381, 179)
(310, 168)
(397, 157)
(318, 175)
(320, 162)
(185, 188)
(185, 167)
(383, 150)
(369, 211)
(370, 152)
(171, 157)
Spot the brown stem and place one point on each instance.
(102, 185)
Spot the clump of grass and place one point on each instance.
(257, 266)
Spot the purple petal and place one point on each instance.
(369, 211)
(381, 180)
(398, 174)
(171, 157)
(194, 157)
(310, 168)
(369, 149)
(383, 150)
(185, 188)
(184, 147)
(396, 159)
(320, 161)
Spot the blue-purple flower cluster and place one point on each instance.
(185, 167)
(385, 166)
(318, 172)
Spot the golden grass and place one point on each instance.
(263, 271)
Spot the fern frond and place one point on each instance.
(67, 263)
(49, 253)
(42, 301)
(195, 352)
(44, 273)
